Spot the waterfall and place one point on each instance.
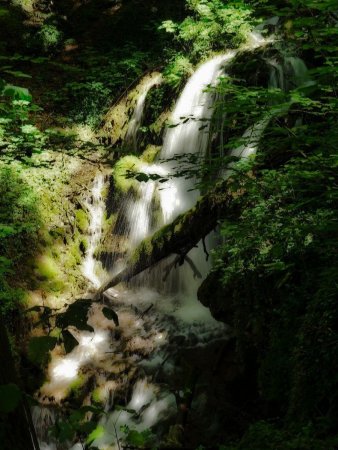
(288, 75)
(136, 119)
(139, 210)
(190, 135)
(122, 362)
(96, 208)
(43, 419)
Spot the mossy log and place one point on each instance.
(180, 236)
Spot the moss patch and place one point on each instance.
(46, 268)
(150, 153)
(128, 163)
(81, 220)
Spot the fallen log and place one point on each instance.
(181, 235)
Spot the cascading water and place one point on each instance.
(191, 118)
(132, 357)
(288, 75)
(189, 319)
(139, 210)
(136, 120)
(96, 208)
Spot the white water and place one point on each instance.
(139, 210)
(288, 74)
(284, 76)
(136, 120)
(127, 358)
(96, 208)
(194, 107)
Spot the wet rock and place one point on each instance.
(215, 296)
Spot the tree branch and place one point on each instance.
(181, 235)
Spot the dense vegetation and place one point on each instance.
(274, 278)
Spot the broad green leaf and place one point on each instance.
(17, 92)
(75, 315)
(17, 74)
(95, 434)
(111, 315)
(139, 439)
(39, 347)
(69, 341)
(123, 408)
(64, 431)
(6, 230)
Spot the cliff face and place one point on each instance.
(49, 267)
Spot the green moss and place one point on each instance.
(75, 253)
(97, 396)
(81, 220)
(150, 153)
(56, 286)
(144, 249)
(178, 228)
(83, 245)
(77, 389)
(125, 164)
(78, 383)
(56, 332)
(46, 268)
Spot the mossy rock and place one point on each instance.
(81, 220)
(83, 245)
(150, 153)
(75, 252)
(78, 389)
(46, 268)
(217, 297)
(56, 286)
(128, 163)
(98, 397)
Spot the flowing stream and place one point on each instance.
(136, 119)
(132, 363)
(96, 207)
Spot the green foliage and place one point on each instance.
(19, 139)
(94, 81)
(76, 314)
(16, 92)
(177, 71)
(138, 439)
(278, 258)
(19, 222)
(39, 347)
(76, 425)
(49, 37)
(81, 220)
(270, 437)
(88, 99)
(277, 261)
(213, 25)
(46, 268)
(10, 396)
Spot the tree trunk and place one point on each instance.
(181, 235)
